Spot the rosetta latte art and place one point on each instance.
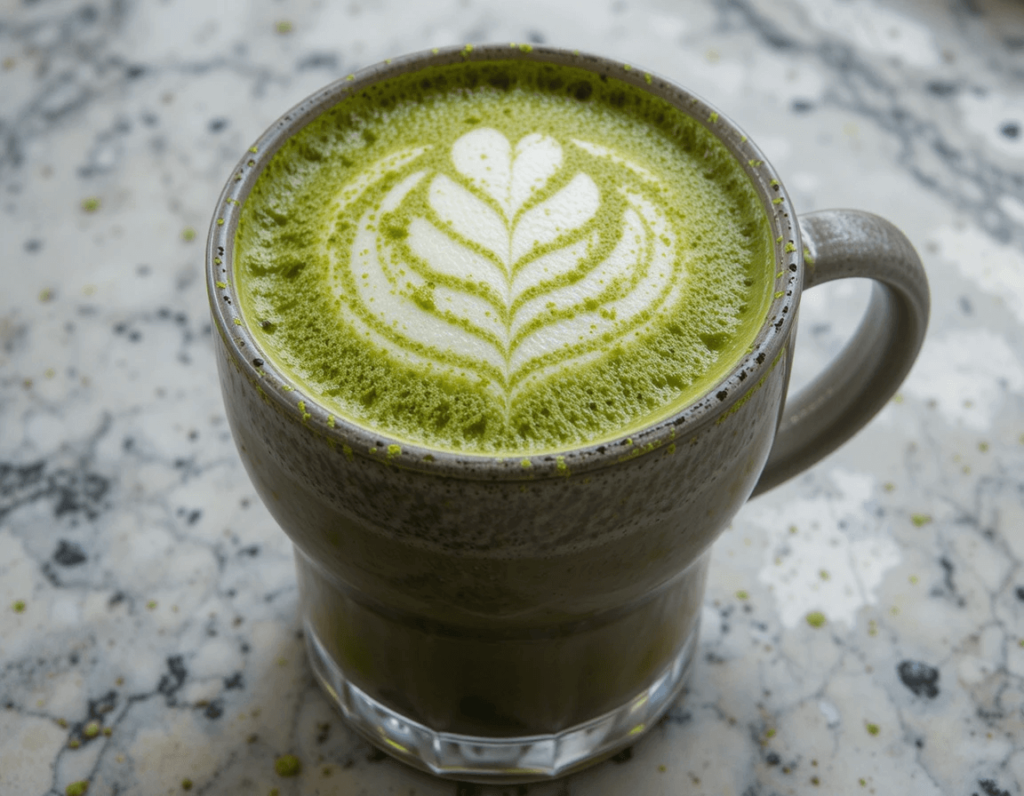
(505, 263)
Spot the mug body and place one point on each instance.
(501, 619)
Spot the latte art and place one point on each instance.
(499, 270)
(503, 258)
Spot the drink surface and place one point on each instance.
(503, 258)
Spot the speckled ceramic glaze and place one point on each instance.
(457, 600)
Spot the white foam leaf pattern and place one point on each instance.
(506, 278)
(486, 158)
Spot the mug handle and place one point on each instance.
(858, 383)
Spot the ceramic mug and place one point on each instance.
(490, 622)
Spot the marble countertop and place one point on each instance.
(149, 639)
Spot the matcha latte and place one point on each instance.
(503, 258)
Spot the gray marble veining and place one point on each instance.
(864, 626)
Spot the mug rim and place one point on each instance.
(287, 395)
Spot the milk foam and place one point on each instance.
(491, 264)
(504, 287)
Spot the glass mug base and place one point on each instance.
(491, 760)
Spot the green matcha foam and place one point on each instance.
(503, 257)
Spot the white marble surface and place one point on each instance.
(144, 589)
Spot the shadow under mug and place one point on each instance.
(495, 623)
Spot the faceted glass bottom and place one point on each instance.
(501, 760)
